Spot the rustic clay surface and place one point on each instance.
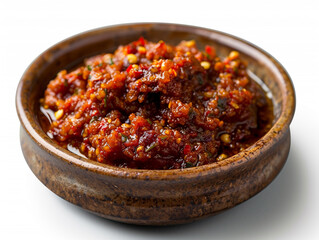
(153, 197)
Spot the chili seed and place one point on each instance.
(221, 157)
(59, 114)
(205, 65)
(131, 58)
(225, 138)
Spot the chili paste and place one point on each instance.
(156, 106)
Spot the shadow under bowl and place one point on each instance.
(153, 197)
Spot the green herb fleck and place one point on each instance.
(207, 55)
(211, 115)
(221, 103)
(123, 137)
(93, 119)
(189, 164)
(100, 65)
(111, 61)
(153, 145)
(149, 121)
(191, 113)
(210, 155)
(105, 97)
(200, 79)
(66, 84)
(76, 91)
(89, 67)
(162, 137)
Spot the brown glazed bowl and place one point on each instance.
(153, 197)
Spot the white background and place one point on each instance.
(289, 30)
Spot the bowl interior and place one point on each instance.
(70, 52)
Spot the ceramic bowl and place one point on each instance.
(153, 197)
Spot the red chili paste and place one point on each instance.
(157, 106)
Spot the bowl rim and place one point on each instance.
(235, 161)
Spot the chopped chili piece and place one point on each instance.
(129, 68)
(187, 149)
(141, 41)
(210, 51)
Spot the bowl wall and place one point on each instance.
(153, 197)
